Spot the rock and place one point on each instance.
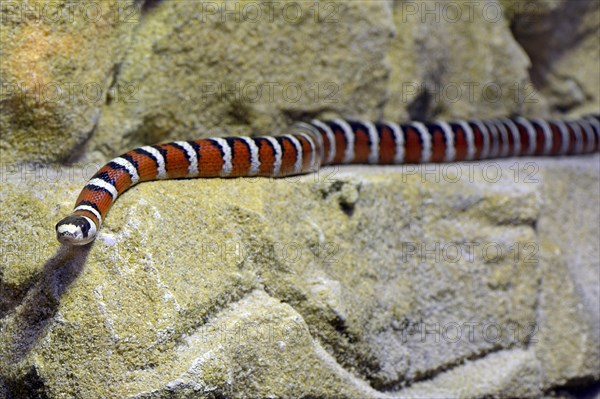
(58, 67)
(459, 280)
(134, 74)
(454, 60)
(512, 373)
(426, 282)
(574, 274)
(559, 62)
(268, 64)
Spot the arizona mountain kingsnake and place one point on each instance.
(310, 145)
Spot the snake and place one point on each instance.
(308, 146)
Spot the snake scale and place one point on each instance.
(310, 145)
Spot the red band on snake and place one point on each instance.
(308, 146)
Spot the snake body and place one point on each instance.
(310, 145)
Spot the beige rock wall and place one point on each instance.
(58, 68)
(90, 80)
(355, 282)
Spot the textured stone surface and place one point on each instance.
(573, 272)
(560, 67)
(456, 59)
(56, 72)
(166, 70)
(248, 67)
(354, 282)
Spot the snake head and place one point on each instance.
(76, 230)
